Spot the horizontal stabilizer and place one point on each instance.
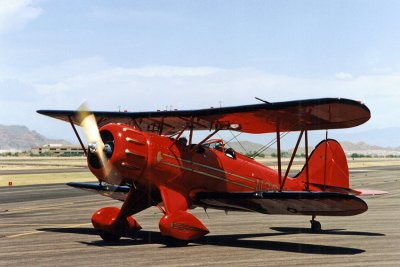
(296, 203)
(368, 192)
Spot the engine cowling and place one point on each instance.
(126, 152)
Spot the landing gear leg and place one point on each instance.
(315, 225)
(178, 226)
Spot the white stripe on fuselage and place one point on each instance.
(206, 174)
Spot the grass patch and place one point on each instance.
(47, 178)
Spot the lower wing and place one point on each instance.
(112, 191)
(297, 203)
(141, 199)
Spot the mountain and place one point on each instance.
(246, 147)
(373, 142)
(16, 137)
(385, 137)
(364, 148)
(348, 147)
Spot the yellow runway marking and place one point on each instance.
(23, 234)
(35, 208)
(40, 207)
(38, 232)
(34, 224)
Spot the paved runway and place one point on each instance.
(49, 225)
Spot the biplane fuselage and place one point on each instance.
(152, 160)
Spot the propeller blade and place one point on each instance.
(89, 124)
(96, 145)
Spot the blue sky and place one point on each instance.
(146, 55)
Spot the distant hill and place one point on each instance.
(20, 138)
(364, 148)
(361, 148)
(386, 137)
(348, 147)
(246, 147)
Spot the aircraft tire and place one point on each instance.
(174, 242)
(108, 237)
(315, 226)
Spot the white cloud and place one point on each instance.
(15, 14)
(383, 70)
(107, 87)
(150, 88)
(343, 76)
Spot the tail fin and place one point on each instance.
(327, 165)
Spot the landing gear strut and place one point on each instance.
(315, 225)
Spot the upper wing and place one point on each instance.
(312, 114)
(297, 203)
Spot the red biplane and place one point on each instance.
(141, 159)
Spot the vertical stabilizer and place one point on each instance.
(327, 165)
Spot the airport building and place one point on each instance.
(57, 150)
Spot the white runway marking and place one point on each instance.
(363, 170)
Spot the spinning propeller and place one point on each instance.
(97, 149)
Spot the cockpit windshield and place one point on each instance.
(217, 144)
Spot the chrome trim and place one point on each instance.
(134, 141)
(128, 152)
(128, 166)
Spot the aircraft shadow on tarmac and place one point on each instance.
(293, 230)
(235, 240)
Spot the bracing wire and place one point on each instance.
(268, 145)
(261, 149)
(238, 141)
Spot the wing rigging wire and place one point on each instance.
(238, 141)
(268, 145)
(260, 150)
(265, 147)
(234, 137)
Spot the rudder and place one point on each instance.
(333, 171)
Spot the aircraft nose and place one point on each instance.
(135, 150)
(125, 149)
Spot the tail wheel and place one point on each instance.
(315, 226)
